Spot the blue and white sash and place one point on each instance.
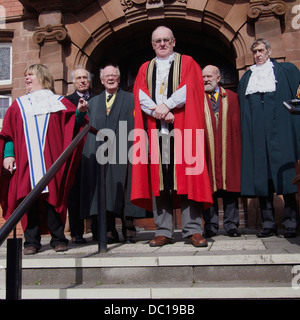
(35, 110)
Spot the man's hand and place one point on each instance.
(83, 105)
(9, 163)
(169, 118)
(160, 111)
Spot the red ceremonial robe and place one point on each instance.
(223, 144)
(14, 188)
(146, 174)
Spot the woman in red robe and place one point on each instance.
(37, 127)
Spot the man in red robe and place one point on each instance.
(169, 95)
(223, 146)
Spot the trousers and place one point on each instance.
(290, 213)
(231, 212)
(191, 215)
(55, 226)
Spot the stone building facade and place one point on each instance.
(91, 33)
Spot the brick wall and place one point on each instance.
(12, 7)
(19, 227)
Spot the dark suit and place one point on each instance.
(76, 223)
(118, 175)
(74, 97)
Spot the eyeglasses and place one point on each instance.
(165, 40)
(110, 76)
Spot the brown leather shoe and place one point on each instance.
(160, 241)
(61, 248)
(30, 250)
(198, 241)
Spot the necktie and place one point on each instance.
(85, 97)
(212, 98)
(109, 103)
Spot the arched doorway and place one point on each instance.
(131, 46)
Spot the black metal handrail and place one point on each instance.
(23, 207)
(28, 201)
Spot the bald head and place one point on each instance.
(211, 77)
(163, 42)
(162, 29)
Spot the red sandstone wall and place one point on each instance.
(13, 7)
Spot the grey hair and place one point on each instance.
(77, 68)
(110, 65)
(258, 41)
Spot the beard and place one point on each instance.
(210, 86)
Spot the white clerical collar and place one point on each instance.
(169, 58)
(262, 78)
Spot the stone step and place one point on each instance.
(227, 268)
(164, 269)
(174, 291)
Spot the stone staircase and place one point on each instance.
(245, 267)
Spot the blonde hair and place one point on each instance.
(43, 74)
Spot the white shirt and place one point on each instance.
(176, 100)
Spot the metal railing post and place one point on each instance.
(14, 269)
(102, 241)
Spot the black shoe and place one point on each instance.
(209, 234)
(267, 233)
(78, 240)
(129, 240)
(290, 233)
(234, 233)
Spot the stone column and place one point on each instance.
(52, 37)
(267, 16)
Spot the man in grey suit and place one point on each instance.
(111, 111)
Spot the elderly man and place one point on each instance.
(81, 80)
(223, 152)
(169, 95)
(270, 136)
(111, 111)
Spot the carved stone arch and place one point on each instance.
(104, 31)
